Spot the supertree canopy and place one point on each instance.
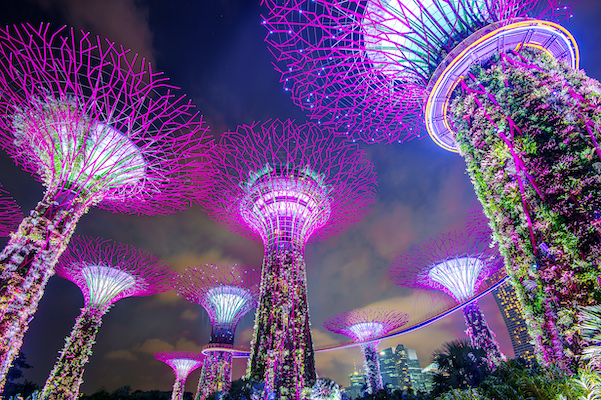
(494, 80)
(366, 326)
(10, 214)
(456, 263)
(183, 363)
(105, 272)
(97, 126)
(226, 292)
(287, 184)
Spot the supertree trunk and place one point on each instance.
(26, 264)
(178, 389)
(373, 377)
(216, 374)
(480, 334)
(282, 349)
(67, 375)
(528, 128)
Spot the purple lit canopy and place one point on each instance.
(366, 67)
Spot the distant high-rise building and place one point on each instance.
(388, 368)
(415, 371)
(400, 368)
(357, 383)
(509, 305)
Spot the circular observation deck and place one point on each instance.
(481, 46)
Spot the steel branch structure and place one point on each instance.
(182, 363)
(106, 272)
(365, 326)
(97, 126)
(456, 263)
(495, 80)
(226, 292)
(10, 214)
(287, 184)
(366, 67)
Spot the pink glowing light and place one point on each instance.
(10, 214)
(456, 263)
(107, 271)
(226, 292)
(366, 67)
(182, 363)
(96, 126)
(366, 325)
(288, 181)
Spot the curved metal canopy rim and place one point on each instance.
(552, 38)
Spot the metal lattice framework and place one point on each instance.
(365, 326)
(106, 272)
(287, 184)
(10, 214)
(456, 263)
(367, 67)
(182, 363)
(97, 126)
(226, 292)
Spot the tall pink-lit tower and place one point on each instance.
(286, 184)
(496, 81)
(182, 363)
(456, 263)
(106, 272)
(10, 214)
(98, 127)
(365, 327)
(227, 293)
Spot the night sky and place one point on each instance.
(214, 51)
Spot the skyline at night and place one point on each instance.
(215, 52)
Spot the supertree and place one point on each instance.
(227, 293)
(10, 214)
(366, 326)
(286, 184)
(495, 80)
(106, 272)
(457, 264)
(183, 363)
(97, 126)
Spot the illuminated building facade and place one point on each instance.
(401, 369)
(357, 384)
(287, 184)
(511, 310)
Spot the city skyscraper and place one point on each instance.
(400, 368)
(511, 310)
(356, 382)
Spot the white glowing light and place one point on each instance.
(366, 330)
(105, 283)
(106, 153)
(183, 366)
(459, 276)
(289, 207)
(227, 302)
(397, 39)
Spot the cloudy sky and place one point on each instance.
(214, 51)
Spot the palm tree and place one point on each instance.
(460, 365)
